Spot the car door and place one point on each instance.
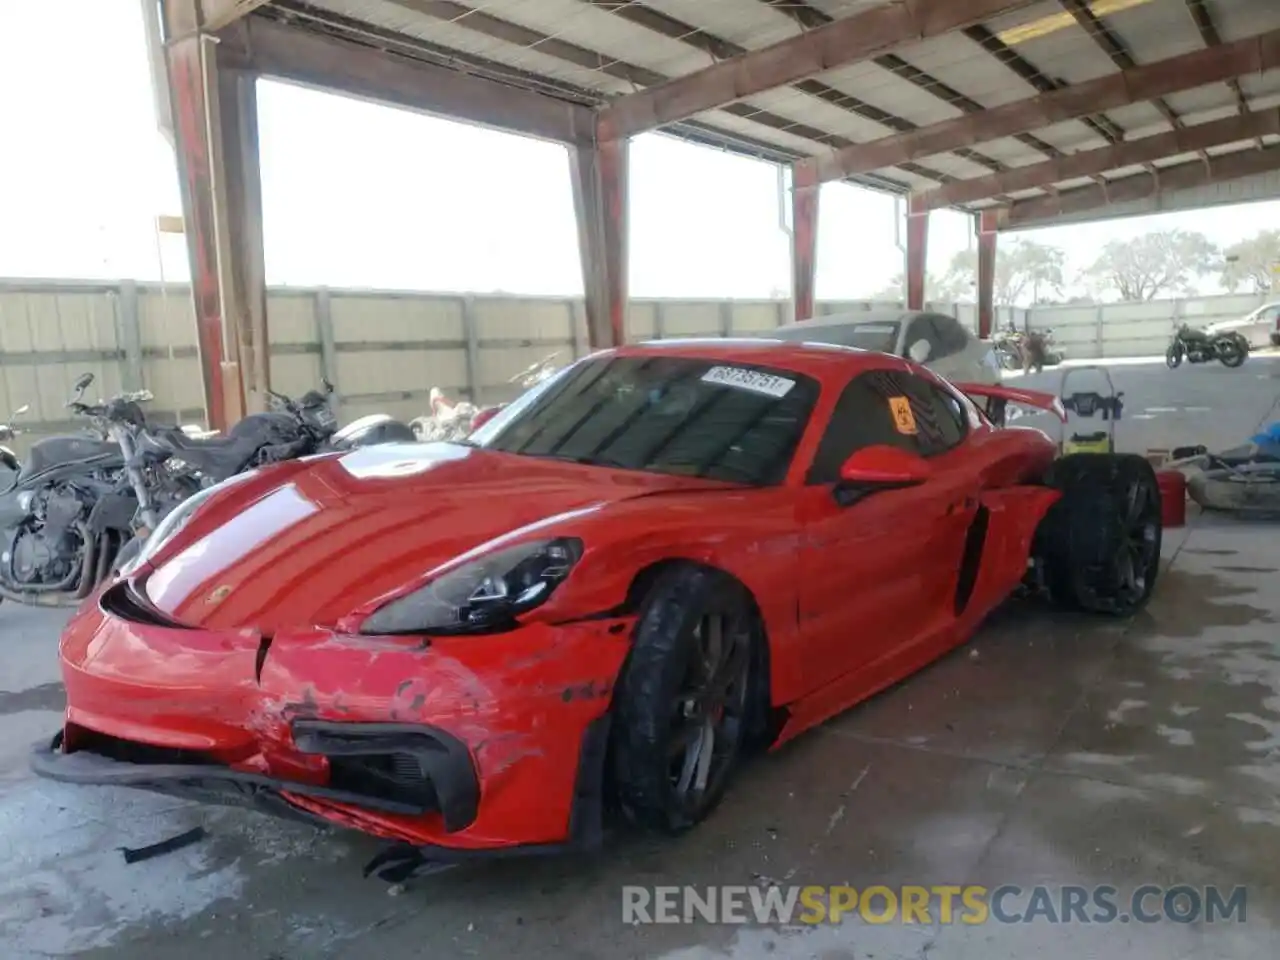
(875, 576)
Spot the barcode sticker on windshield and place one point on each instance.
(752, 380)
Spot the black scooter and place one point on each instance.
(1199, 346)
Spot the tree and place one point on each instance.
(944, 289)
(1026, 271)
(1166, 261)
(1250, 263)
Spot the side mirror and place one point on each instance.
(82, 384)
(328, 387)
(880, 467)
(25, 408)
(919, 351)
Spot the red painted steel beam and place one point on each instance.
(987, 238)
(805, 196)
(1041, 211)
(848, 40)
(186, 56)
(601, 201)
(917, 254)
(1186, 72)
(1091, 163)
(244, 287)
(277, 50)
(1113, 47)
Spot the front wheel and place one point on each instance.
(687, 699)
(1099, 545)
(1173, 356)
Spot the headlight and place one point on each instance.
(482, 596)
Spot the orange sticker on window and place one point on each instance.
(903, 418)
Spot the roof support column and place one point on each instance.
(986, 223)
(917, 253)
(805, 192)
(600, 197)
(216, 143)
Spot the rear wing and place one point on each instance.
(1001, 395)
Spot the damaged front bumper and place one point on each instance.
(462, 747)
(390, 768)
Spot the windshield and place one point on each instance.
(881, 337)
(681, 415)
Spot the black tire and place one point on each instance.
(1100, 543)
(1233, 353)
(1173, 356)
(656, 723)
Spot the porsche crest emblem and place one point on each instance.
(218, 595)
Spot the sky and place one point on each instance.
(361, 195)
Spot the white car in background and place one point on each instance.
(1261, 328)
(936, 340)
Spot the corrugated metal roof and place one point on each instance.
(1245, 190)
(598, 50)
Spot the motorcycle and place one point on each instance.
(1008, 344)
(290, 429)
(1199, 346)
(71, 506)
(457, 421)
(1053, 354)
(447, 421)
(180, 461)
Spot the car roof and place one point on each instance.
(818, 360)
(849, 318)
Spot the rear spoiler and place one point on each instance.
(1028, 398)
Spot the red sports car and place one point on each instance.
(662, 557)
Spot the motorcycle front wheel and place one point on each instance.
(1173, 356)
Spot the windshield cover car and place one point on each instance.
(881, 337)
(680, 415)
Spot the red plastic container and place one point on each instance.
(1173, 497)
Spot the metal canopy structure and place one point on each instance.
(1021, 112)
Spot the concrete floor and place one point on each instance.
(1052, 749)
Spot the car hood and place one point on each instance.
(308, 545)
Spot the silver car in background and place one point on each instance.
(1261, 328)
(936, 340)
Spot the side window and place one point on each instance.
(951, 336)
(862, 418)
(1270, 314)
(949, 422)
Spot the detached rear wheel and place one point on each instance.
(1100, 543)
(687, 698)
